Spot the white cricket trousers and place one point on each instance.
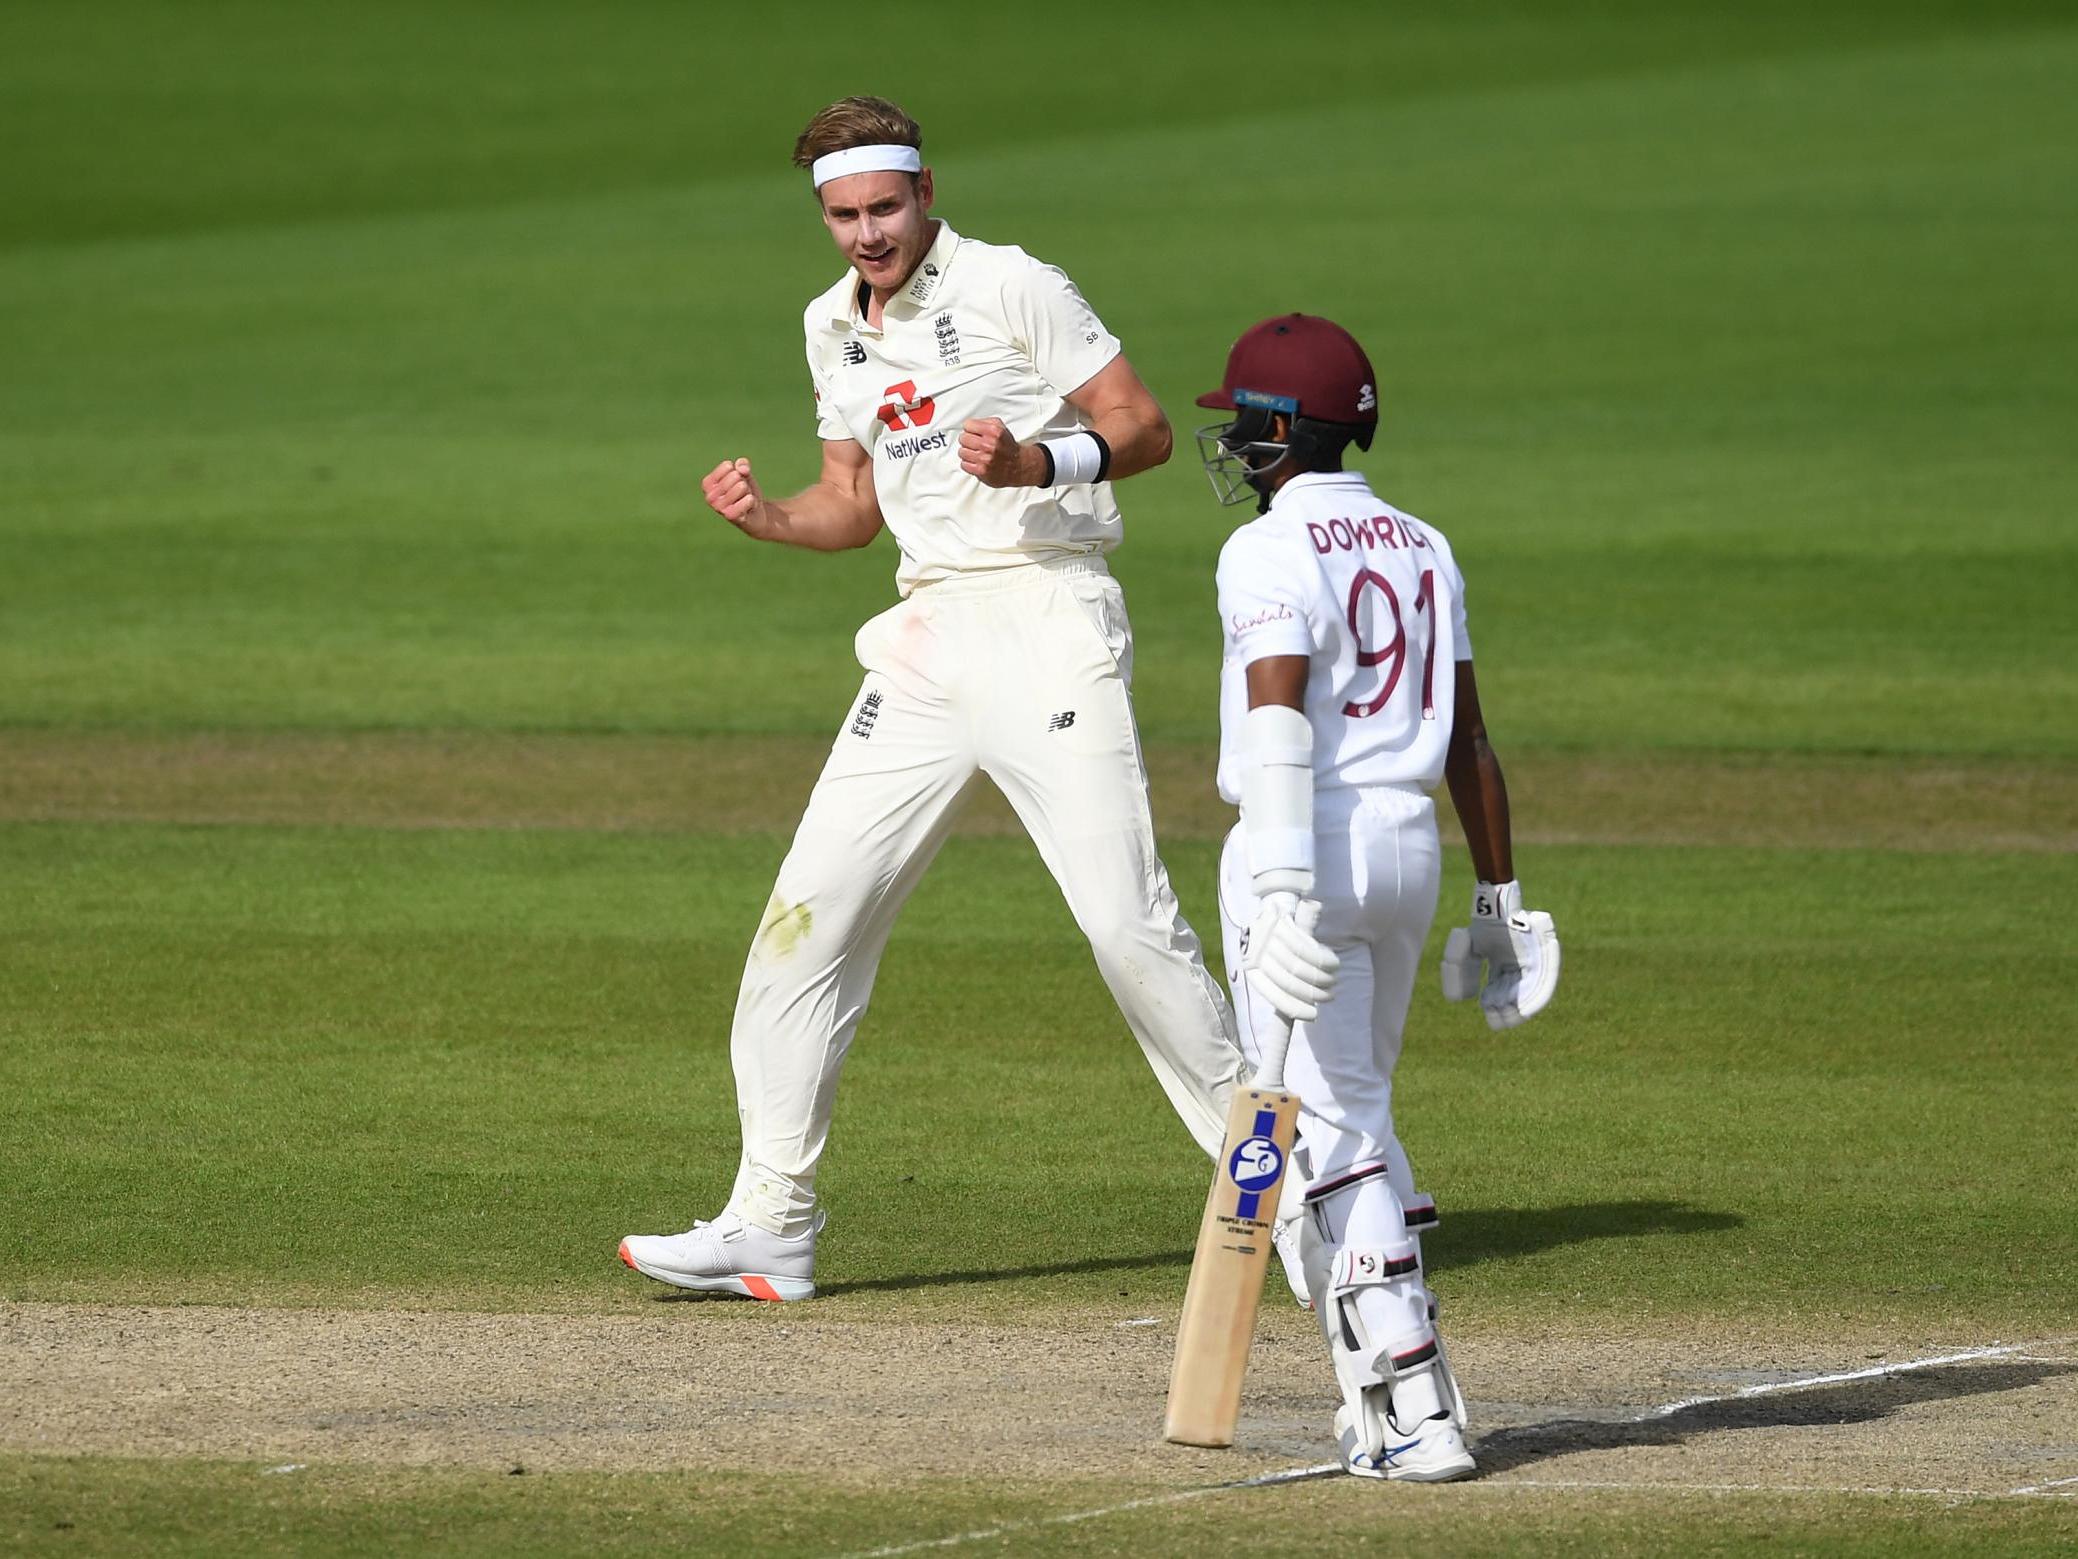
(1020, 674)
(1377, 867)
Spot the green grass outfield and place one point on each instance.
(360, 373)
(357, 367)
(210, 1509)
(309, 1063)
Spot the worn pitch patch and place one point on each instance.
(722, 1385)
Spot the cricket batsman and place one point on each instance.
(971, 402)
(1346, 695)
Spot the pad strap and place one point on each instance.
(1410, 1356)
(1334, 1185)
(1372, 1266)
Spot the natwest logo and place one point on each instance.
(904, 408)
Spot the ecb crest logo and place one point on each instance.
(1256, 1164)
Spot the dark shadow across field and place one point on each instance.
(1850, 1402)
(1169, 1258)
(1480, 1234)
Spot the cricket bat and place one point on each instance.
(1226, 1282)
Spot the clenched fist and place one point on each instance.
(992, 457)
(732, 492)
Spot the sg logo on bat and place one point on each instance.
(1256, 1164)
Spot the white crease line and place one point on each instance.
(1261, 1481)
(1499, 1485)
(2040, 1491)
(1668, 1408)
(1300, 1474)
(2043, 1488)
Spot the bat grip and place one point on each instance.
(1276, 1044)
(1277, 1037)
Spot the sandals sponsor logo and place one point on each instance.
(1279, 613)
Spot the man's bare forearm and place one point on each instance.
(841, 510)
(1125, 414)
(1477, 788)
(1138, 442)
(1480, 793)
(822, 518)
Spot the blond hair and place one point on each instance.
(855, 121)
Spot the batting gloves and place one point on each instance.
(1513, 951)
(1289, 967)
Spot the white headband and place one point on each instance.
(866, 159)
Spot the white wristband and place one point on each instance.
(1075, 457)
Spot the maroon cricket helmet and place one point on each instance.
(1303, 366)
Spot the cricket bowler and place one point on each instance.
(1346, 696)
(969, 400)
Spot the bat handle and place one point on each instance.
(1277, 1037)
(1276, 1043)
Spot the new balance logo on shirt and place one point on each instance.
(1061, 721)
(854, 354)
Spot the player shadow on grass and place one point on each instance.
(1166, 1258)
(1849, 1402)
(1466, 1238)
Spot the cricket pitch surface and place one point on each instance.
(723, 1385)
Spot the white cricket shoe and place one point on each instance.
(728, 1256)
(1432, 1452)
(1285, 1236)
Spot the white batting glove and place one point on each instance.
(1290, 968)
(1516, 951)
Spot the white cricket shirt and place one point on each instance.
(980, 330)
(1375, 599)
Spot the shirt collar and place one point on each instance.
(925, 283)
(1309, 480)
